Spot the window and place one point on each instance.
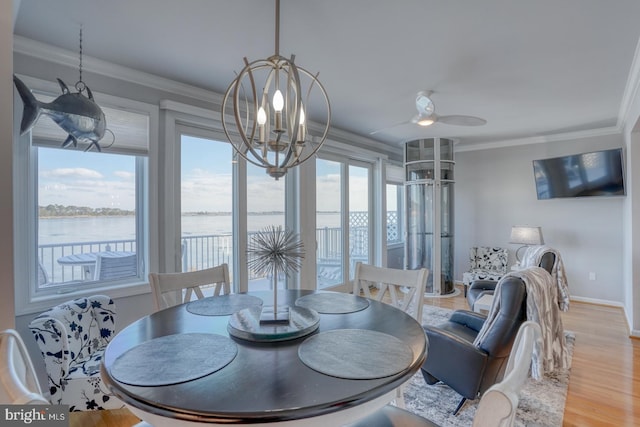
(224, 201)
(86, 207)
(343, 205)
(82, 217)
(206, 203)
(395, 216)
(265, 208)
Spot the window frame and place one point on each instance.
(345, 161)
(28, 299)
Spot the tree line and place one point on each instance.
(61, 210)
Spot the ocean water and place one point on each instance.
(100, 228)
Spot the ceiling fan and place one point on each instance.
(427, 116)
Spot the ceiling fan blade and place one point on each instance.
(390, 127)
(462, 120)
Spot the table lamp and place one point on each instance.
(525, 236)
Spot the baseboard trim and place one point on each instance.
(597, 301)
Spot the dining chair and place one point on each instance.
(499, 403)
(404, 289)
(115, 267)
(18, 381)
(171, 289)
(72, 338)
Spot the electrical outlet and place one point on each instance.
(592, 276)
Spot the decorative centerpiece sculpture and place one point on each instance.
(275, 251)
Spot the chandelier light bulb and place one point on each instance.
(302, 118)
(278, 101)
(262, 119)
(262, 116)
(301, 126)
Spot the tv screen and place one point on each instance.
(599, 173)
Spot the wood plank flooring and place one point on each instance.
(603, 390)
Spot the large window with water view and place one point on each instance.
(90, 219)
(343, 213)
(86, 217)
(206, 203)
(265, 209)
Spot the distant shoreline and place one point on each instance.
(184, 214)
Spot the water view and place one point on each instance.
(87, 229)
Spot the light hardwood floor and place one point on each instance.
(603, 389)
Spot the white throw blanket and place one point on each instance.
(542, 307)
(533, 256)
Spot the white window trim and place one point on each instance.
(27, 301)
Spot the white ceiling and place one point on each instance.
(530, 68)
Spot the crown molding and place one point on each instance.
(566, 136)
(630, 90)
(60, 56)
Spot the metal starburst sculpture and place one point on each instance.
(275, 251)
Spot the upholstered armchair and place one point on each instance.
(480, 287)
(72, 338)
(471, 368)
(485, 264)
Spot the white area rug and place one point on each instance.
(541, 402)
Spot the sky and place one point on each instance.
(100, 180)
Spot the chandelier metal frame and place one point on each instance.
(266, 127)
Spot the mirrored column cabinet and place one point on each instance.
(429, 186)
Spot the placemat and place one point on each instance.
(223, 305)
(173, 359)
(333, 302)
(357, 354)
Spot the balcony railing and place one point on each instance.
(204, 251)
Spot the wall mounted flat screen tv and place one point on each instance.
(599, 173)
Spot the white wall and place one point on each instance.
(495, 189)
(6, 156)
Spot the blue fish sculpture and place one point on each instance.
(76, 113)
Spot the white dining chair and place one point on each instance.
(18, 381)
(404, 289)
(170, 289)
(498, 405)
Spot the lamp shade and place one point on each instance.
(525, 235)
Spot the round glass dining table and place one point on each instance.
(322, 378)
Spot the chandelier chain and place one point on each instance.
(80, 85)
(277, 44)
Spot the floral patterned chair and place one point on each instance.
(72, 338)
(486, 264)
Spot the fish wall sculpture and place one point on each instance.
(75, 113)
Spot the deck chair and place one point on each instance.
(171, 289)
(18, 381)
(116, 267)
(499, 403)
(405, 289)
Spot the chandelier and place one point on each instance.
(264, 112)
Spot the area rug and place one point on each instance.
(541, 402)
